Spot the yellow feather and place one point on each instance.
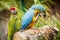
(33, 20)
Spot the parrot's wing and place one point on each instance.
(27, 18)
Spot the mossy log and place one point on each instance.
(43, 33)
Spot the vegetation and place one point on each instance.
(15, 20)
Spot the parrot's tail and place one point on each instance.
(22, 28)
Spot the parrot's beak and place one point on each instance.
(42, 14)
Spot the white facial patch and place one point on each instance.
(13, 11)
(37, 16)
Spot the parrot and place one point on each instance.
(32, 15)
(5, 14)
(12, 23)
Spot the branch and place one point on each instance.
(43, 33)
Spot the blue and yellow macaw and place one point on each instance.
(31, 16)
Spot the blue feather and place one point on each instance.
(39, 7)
(27, 18)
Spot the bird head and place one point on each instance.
(13, 10)
(39, 9)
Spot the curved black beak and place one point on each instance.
(42, 14)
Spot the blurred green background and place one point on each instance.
(22, 6)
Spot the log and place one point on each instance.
(43, 33)
(3, 28)
(4, 19)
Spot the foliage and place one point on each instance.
(15, 20)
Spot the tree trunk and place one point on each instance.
(57, 6)
(3, 28)
(44, 33)
(4, 18)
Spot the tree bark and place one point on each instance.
(4, 18)
(44, 33)
(3, 29)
